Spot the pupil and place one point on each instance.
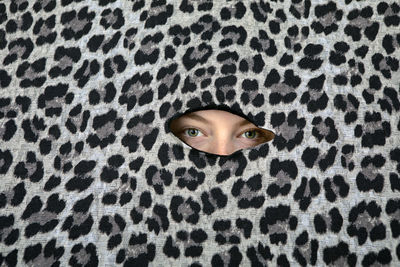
(250, 135)
(192, 131)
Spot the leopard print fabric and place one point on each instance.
(90, 174)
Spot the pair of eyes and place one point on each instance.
(251, 134)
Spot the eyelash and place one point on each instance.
(259, 136)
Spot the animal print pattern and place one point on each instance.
(91, 175)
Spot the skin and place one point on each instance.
(218, 132)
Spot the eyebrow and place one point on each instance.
(202, 119)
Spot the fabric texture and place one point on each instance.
(91, 175)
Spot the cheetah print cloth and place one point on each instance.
(91, 175)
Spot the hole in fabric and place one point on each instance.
(218, 132)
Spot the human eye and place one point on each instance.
(252, 134)
(191, 132)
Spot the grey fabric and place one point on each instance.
(90, 174)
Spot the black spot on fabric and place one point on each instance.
(5, 79)
(69, 19)
(311, 60)
(335, 187)
(335, 253)
(251, 187)
(277, 215)
(109, 199)
(54, 204)
(368, 179)
(6, 159)
(95, 42)
(282, 261)
(309, 156)
(191, 58)
(284, 171)
(329, 17)
(32, 252)
(215, 199)
(290, 130)
(189, 179)
(169, 249)
(382, 257)
(260, 11)
(358, 227)
(315, 99)
(378, 134)
(145, 54)
(306, 191)
(186, 7)
(33, 206)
